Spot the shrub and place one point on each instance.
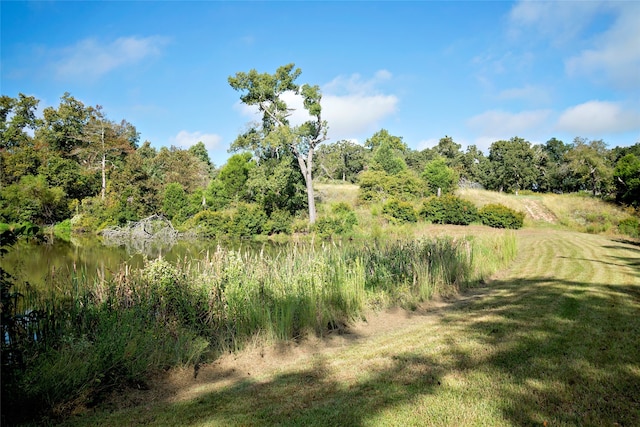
(248, 220)
(212, 223)
(399, 212)
(448, 209)
(341, 221)
(630, 226)
(280, 221)
(377, 186)
(62, 230)
(500, 216)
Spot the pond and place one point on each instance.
(38, 264)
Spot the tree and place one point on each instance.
(512, 165)
(448, 149)
(266, 92)
(589, 161)
(342, 160)
(200, 151)
(103, 139)
(63, 128)
(386, 159)
(440, 176)
(475, 166)
(383, 136)
(16, 114)
(627, 180)
(234, 174)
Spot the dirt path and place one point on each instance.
(539, 212)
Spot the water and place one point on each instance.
(40, 264)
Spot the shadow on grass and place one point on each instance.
(557, 351)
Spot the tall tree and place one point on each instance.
(341, 160)
(103, 141)
(450, 151)
(383, 136)
(589, 160)
(627, 180)
(512, 165)
(439, 176)
(266, 91)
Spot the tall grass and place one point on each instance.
(89, 337)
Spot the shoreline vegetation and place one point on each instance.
(90, 337)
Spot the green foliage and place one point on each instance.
(233, 177)
(277, 184)
(387, 160)
(248, 219)
(448, 209)
(627, 180)
(279, 222)
(589, 161)
(630, 226)
(174, 202)
(500, 216)
(399, 212)
(211, 223)
(439, 176)
(378, 186)
(383, 137)
(340, 222)
(33, 200)
(512, 165)
(62, 230)
(343, 160)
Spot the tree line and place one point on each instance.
(74, 163)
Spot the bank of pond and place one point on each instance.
(109, 318)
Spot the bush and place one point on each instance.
(62, 230)
(630, 226)
(280, 221)
(448, 209)
(500, 216)
(341, 221)
(399, 212)
(378, 186)
(247, 220)
(212, 223)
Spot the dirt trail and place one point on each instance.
(539, 212)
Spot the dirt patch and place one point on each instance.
(259, 361)
(539, 212)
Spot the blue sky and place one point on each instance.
(476, 71)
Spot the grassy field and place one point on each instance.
(552, 340)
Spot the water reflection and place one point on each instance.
(41, 264)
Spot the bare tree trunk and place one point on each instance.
(104, 166)
(306, 168)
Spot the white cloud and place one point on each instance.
(185, 139)
(602, 36)
(615, 53)
(355, 84)
(559, 21)
(352, 106)
(526, 93)
(90, 59)
(503, 124)
(598, 117)
(427, 143)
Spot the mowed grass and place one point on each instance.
(554, 340)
